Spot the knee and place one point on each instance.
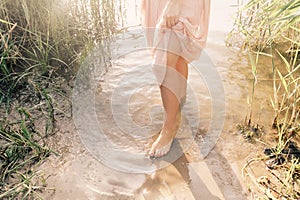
(181, 62)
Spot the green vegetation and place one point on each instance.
(42, 44)
(272, 28)
(21, 148)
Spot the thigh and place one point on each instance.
(173, 50)
(181, 62)
(172, 59)
(182, 67)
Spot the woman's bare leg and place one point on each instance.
(182, 67)
(170, 100)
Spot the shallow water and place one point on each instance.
(126, 105)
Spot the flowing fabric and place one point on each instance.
(192, 26)
(186, 39)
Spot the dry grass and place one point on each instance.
(41, 42)
(273, 26)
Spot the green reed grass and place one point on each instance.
(40, 43)
(21, 148)
(38, 37)
(264, 22)
(272, 28)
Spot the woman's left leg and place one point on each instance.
(182, 67)
(172, 90)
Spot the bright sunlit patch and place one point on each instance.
(132, 13)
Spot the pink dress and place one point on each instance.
(191, 30)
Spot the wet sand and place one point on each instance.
(77, 174)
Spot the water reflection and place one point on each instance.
(167, 184)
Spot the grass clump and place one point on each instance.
(272, 28)
(49, 38)
(21, 149)
(42, 44)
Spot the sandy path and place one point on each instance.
(76, 174)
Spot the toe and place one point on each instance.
(158, 153)
(151, 152)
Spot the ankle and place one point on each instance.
(168, 127)
(169, 124)
(168, 132)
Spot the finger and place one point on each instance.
(169, 23)
(176, 19)
(173, 21)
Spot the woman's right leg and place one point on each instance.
(171, 105)
(172, 90)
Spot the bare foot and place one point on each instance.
(150, 142)
(162, 144)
